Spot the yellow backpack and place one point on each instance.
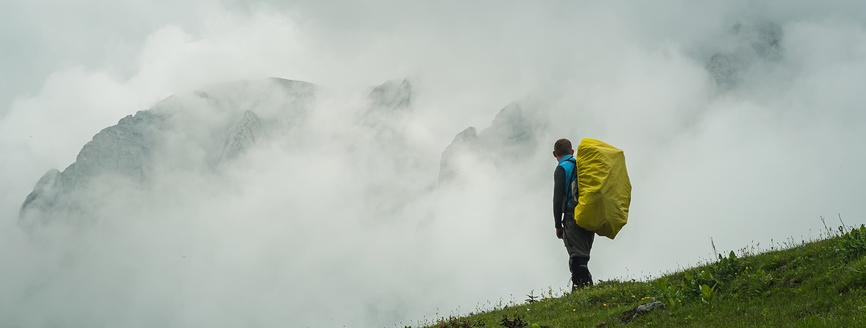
(602, 188)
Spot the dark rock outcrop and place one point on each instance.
(637, 311)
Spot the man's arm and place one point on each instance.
(558, 195)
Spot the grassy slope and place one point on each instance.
(817, 284)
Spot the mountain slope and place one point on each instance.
(816, 284)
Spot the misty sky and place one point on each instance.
(748, 164)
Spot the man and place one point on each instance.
(578, 241)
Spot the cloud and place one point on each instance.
(295, 231)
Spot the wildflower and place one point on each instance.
(573, 310)
(605, 304)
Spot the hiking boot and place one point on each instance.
(581, 277)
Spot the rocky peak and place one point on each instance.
(216, 126)
(461, 142)
(387, 107)
(512, 133)
(750, 43)
(392, 96)
(243, 136)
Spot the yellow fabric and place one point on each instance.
(604, 188)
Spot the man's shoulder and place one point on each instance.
(562, 165)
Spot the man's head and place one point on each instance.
(561, 148)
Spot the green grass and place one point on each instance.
(815, 284)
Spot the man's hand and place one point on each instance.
(559, 233)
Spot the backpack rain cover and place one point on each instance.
(603, 188)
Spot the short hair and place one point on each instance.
(562, 147)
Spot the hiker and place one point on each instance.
(578, 241)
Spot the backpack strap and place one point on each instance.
(574, 191)
(567, 195)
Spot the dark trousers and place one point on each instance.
(578, 243)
